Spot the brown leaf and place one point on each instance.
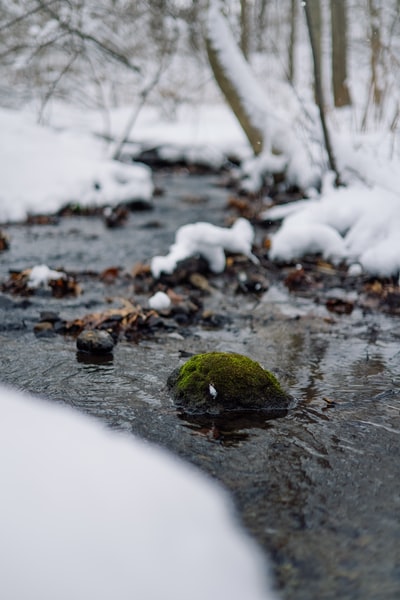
(140, 269)
(110, 274)
(339, 306)
(298, 280)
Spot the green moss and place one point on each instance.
(221, 381)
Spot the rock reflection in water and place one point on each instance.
(88, 358)
(229, 429)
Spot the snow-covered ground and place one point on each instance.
(42, 169)
(90, 513)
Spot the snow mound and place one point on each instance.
(90, 513)
(43, 169)
(355, 224)
(160, 301)
(210, 242)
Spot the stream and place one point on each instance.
(319, 488)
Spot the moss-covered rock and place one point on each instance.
(220, 381)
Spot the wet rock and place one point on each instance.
(95, 341)
(252, 283)
(116, 216)
(219, 382)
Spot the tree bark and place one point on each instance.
(231, 93)
(341, 94)
(253, 134)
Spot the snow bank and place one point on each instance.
(43, 169)
(210, 242)
(356, 224)
(198, 133)
(89, 513)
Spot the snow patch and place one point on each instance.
(40, 275)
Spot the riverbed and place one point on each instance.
(319, 488)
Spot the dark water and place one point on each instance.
(319, 488)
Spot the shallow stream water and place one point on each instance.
(320, 488)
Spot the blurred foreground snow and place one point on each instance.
(87, 513)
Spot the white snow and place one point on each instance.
(356, 224)
(90, 513)
(200, 132)
(160, 301)
(210, 242)
(40, 275)
(43, 169)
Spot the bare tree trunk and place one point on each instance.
(376, 49)
(292, 40)
(341, 94)
(318, 90)
(313, 7)
(253, 134)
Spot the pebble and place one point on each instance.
(95, 341)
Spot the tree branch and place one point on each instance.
(115, 54)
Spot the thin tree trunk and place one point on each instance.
(376, 49)
(319, 93)
(313, 7)
(292, 41)
(341, 94)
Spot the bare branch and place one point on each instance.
(24, 16)
(115, 54)
(54, 85)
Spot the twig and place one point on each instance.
(55, 83)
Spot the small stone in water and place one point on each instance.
(95, 341)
